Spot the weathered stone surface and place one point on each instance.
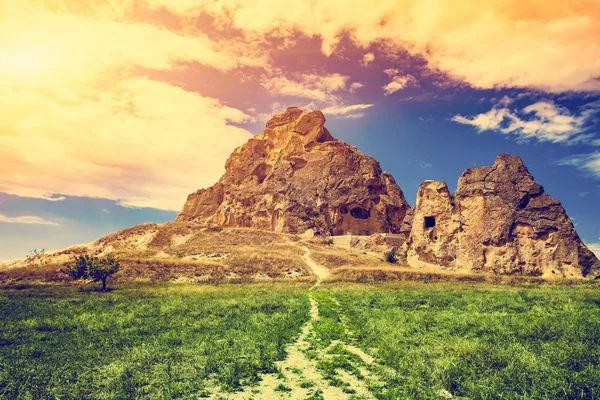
(499, 220)
(295, 176)
(435, 225)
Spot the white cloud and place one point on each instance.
(595, 248)
(356, 115)
(399, 83)
(543, 121)
(309, 86)
(26, 219)
(589, 163)
(343, 110)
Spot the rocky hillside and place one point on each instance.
(195, 252)
(294, 177)
(295, 181)
(499, 220)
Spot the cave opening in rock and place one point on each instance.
(360, 213)
(429, 222)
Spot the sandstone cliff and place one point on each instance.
(295, 176)
(499, 220)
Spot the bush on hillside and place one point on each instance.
(94, 268)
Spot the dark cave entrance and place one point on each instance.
(360, 213)
(429, 222)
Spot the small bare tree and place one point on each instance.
(36, 256)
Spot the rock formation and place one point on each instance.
(499, 220)
(295, 176)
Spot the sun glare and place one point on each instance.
(26, 62)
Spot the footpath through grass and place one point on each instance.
(478, 341)
(428, 341)
(171, 341)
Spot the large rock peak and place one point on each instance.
(499, 220)
(295, 176)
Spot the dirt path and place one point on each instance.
(299, 377)
(320, 271)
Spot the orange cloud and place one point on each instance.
(77, 121)
(79, 118)
(146, 142)
(368, 58)
(552, 46)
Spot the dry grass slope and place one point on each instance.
(193, 252)
(182, 252)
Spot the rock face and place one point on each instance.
(295, 176)
(499, 220)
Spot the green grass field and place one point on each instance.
(479, 342)
(143, 342)
(475, 341)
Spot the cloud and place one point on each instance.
(309, 86)
(399, 83)
(345, 110)
(110, 98)
(26, 219)
(355, 86)
(391, 72)
(39, 44)
(595, 248)
(146, 142)
(53, 197)
(368, 58)
(357, 115)
(487, 44)
(82, 114)
(543, 121)
(589, 163)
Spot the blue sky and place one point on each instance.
(100, 131)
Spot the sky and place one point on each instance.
(113, 111)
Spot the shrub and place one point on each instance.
(391, 256)
(94, 268)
